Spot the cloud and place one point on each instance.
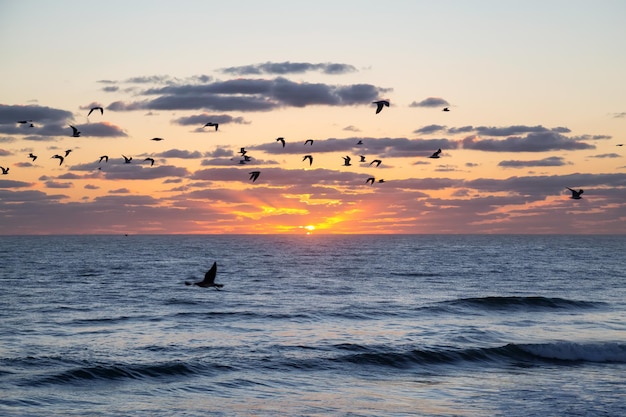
(201, 119)
(553, 161)
(619, 115)
(282, 68)
(55, 184)
(181, 153)
(533, 142)
(607, 155)
(426, 130)
(430, 102)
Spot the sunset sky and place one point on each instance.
(536, 92)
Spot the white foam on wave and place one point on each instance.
(572, 351)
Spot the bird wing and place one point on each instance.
(209, 277)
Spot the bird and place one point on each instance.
(370, 179)
(446, 109)
(281, 140)
(310, 158)
(211, 124)
(360, 142)
(59, 157)
(209, 279)
(254, 175)
(75, 132)
(435, 154)
(95, 108)
(67, 152)
(127, 159)
(246, 158)
(151, 161)
(377, 161)
(310, 141)
(242, 161)
(576, 194)
(5, 171)
(346, 161)
(362, 158)
(380, 104)
(620, 144)
(243, 151)
(381, 180)
(157, 139)
(23, 122)
(105, 157)
(30, 155)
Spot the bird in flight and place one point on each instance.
(5, 171)
(370, 179)
(127, 159)
(209, 279)
(576, 194)
(105, 157)
(435, 155)
(151, 161)
(310, 158)
(381, 180)
(243, 151)
(360, 142)
(254, 175)
(95, 108)
(211, 124)
(362, 158)
(75, 132)
(380, 104)
(157, 139)
(620, 144)
(281, 140)
(67, 152)
(33, 157)
(377, 161)
(23, 122)
(309, 141)
(346, 161)
(446, 109)
(59, 157)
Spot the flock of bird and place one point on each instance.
(254, 175)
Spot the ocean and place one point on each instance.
(313, 325)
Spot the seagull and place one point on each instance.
(446, 109)
(67, 152)
(157, 139)
(310, 158)
(246, 158)
(254, 175)
(281, 140)
(211, 124)
(5, 171)
(243, 151)
(346, 161)
(209, 279)
(23, 122)
(380, 104)
(75, 132)
(370, 179)
(105, 157)
(127, 159)
(620, 144)
(30, 155)
(576, 194)
(360, 142)
(96, 108)
(362, 158)
(151, 161)
(242, 161)
(310, 141)
(378, 162)
(381, 180)
(436, 154)
(59, 157)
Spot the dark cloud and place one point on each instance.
(430, 102)
(553, 161)
(55, 184)
(607, 155)
(181, 153)
(12, 184)
(533, 142)
(202, 119)
(426, 130)
(619, 115)
(283, 68)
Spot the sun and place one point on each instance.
(309, 229)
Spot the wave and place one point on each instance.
(520, 302)
(415, 274)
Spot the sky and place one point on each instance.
(535, 92)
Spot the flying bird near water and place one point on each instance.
(310, 158)
(75, 132)
(380, 104)
(281, 140)
(127, 159)
(446, 109)
(151, 161)
(33, 157)
(370, 179)
(346, 161)
(105, 157)
(95, 108)
(209, 279)
(376, 161)
(576, 194)
(436, 154)
(67, 152)
(254, 175)
(59, 157)
(157, 139)
(211, 124)
(5, 171)
(309, 141)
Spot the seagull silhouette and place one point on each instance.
(67, 152)
(254, 175)
(381, 180)
(360, 142)
(127, 159)
(211, 124)
(151, 161)
(75, 132)
(281, 140)
(310, 158)
(380, 104)
(157, 139)
(446, 109)
(362, 158)
(246, 158)
(370, 179)
(59, 157)
(23, 122)
(346, 161)
(310, 141)
(5, 171)
(576, 194)
(377, 161)
(243, 151)
(436, 154)
(95, 108)
(105, 157)
(30, 155)
(209, 279)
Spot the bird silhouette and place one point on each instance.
(446, 109)
(151, 161)
(33, 157)
(211, 124)
(360, 142)
(346, 161)
(127, 159)
(377, 161)
(362, 158)
(310, 158)
(67, 152)
(435, 155)
(95, 108)
(243, 151)
(381, 180)
(209, 279)
(75, 132)
(576, 194)
(254, 175)
(281, 140)
(380, 104)
(59, 157)
(23, 122)
(309, 141)
(5, 171)
(105, 157)
(370, 179)
(157, 139)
